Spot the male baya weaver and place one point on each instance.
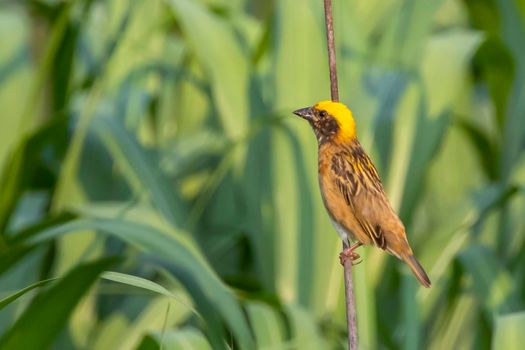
(351, 189)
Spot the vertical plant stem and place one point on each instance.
(351, 317)
(334, 90)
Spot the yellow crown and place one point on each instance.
(343, 116)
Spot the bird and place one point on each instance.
(351, 188)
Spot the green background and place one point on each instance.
(157, 191)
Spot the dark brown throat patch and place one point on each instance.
(325, 128)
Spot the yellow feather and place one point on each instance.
(343, 116)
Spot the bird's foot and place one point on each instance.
(349, 253)
(354, 257)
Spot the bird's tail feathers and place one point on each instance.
(418, 270)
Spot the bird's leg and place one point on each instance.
(349, 253)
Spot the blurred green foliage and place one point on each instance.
(156, 191)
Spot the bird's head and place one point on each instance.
(331, 121)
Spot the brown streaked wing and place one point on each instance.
(359, 183)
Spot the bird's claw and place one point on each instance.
(349, 253)
(357, 262)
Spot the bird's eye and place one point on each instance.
(322, 114)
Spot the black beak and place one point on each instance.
(305, 113)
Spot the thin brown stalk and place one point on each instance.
(334, 90)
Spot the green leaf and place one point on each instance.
(187, 338)
(144, 284)
(15, 250)
(218, 50)
(11, 181)
(15, 69)
(512, 30)
(299, 61)
(141, 170)
(439, 88)
(46, 316)
(177, 249)
(22, 165)
(8, 300)
(428, 136)
(497, 67)
(509, 332)
(305, 334)
(487, 154)
(267, 325)
(492, 284)
(407, 27)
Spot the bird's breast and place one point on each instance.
(339, 212)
